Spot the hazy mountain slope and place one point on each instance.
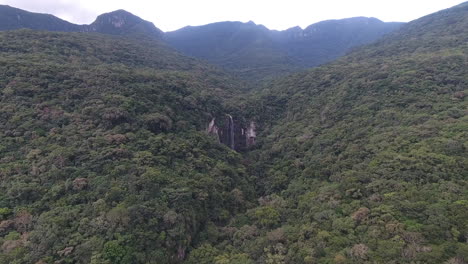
(327, 40)
(119, 22)
(243, 48)
(364, 160)
(14, 18)
(254, 52)
(250, 51)
(103, 158)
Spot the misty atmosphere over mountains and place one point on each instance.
(343, 142)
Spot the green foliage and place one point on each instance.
(233, 259)
(12, 236)
(102, 136)
(267, 216)
(103, 158)
(204, 254)
(256, 54)
(4, 213)
(116, 253)
(367, 156)
(13, 18)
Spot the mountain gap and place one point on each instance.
(120, 143)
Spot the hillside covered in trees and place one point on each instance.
(363, 160)
(255, 53)
(251, 52)
(105, 155)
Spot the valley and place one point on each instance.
(345, 142)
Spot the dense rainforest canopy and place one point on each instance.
(104, 155)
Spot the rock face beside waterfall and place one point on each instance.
(233, 133)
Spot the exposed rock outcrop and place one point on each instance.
(213, 129)
(250, 134)
(79, 184)
(234, 133)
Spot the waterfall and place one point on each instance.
(231, 132)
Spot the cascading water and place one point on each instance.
(236, 136)
(231, 132)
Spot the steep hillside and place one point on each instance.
(327, 40)
(14, 18)
(103, 154)
(119, 22)
(364, 160)
(254, 52)
(246, 49)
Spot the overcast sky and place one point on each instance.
(275, 14)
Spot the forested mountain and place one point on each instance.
(245, 49)
(15, 18)
(254, 52)
(119, 22)
(102, 150)
(364, 160)
(119, 149)
(327, 40)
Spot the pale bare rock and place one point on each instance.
(459, 95)
(10, 245)
(80, 184)
(361, 214)
(377, 198)
(23, 220)
(7, 225)
(65, 252)
(359, 251)
(251, 134)
(213, 129)
(116, 139)
(277, 235)
(456, 261)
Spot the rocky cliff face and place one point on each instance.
(234, 133)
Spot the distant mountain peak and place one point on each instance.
(296, 28)
(117, 19)
(121, 22)
(14, 18)
(118, 15)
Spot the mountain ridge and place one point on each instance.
(355, 157)
(113, 150)
(119, 22)
(254, 52)
(251, 52)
